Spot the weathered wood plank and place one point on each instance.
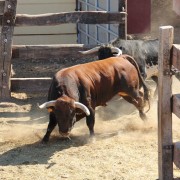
(30, 85)
(2, 3)
(176, 105)
(6, 47)
(165, 161)
(84, 17)
(49, 51)
(176, 56)
(176, 154)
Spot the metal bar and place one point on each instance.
(123, 27)
(90, 36)
(86, 24)
(109, 31)
(96, 27)
(107, 26)
(89, 4)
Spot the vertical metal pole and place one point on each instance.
(165, 145)
(108, 25)
(96, 27)
(87, 26)
(77, 25)
(123, 26)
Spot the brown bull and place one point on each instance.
(75, 92)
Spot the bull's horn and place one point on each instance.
(117, 50)
(93, 50)
(47, 104)
(82, 107)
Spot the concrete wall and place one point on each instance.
(62, 34)
(163, 14)
(176, 6)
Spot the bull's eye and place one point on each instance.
(73, 121)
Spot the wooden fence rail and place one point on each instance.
(30, 85)
(168, 152)
(9, 19)
(24, 52)
(176, 56)
(84, 17)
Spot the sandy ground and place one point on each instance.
(125, 147)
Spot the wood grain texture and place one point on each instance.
(30, 85)
(176, 105)
(176, 56)
(84, 17)
(165, 150)
(50, 51)
(6, 47)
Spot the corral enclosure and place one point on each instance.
(125, 147)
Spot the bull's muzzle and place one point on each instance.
(65, 135)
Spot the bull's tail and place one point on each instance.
(142, 82)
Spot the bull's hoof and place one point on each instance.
(143, 116)
(92, 134)
(45, 140)
(92, 139)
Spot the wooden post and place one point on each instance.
(7, 29)
(123, 26)
(165, 144)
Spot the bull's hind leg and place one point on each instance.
(138, 102)
(51, 126)
(155, 79)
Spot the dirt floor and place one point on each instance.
(125, 147)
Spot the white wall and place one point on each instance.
(61, 34)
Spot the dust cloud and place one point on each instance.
(124, 147)
(25, 122)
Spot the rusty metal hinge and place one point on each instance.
(169, 72)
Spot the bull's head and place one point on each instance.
(64, 109)
(104, 51)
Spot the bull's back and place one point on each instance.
(105, 78)
(100, 80)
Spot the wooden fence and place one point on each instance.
(8, 51)
(169, 64)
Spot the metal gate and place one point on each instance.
(97, 34)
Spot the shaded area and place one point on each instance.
(39, 153)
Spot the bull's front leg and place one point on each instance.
(90, 121)
(51, 126)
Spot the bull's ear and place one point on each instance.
(50, 109)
